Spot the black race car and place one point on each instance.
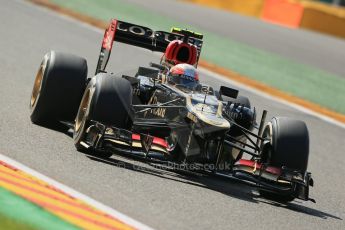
(139, 113)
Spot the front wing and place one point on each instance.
(100, 137)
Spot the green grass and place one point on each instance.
(304, 81)
(11, 224)
(18, 213)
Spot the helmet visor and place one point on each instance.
(183, 80)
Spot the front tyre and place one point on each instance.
(287, 145)
(58, 88)
(107, 99)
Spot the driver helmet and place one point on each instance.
(184, 75)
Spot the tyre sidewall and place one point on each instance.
(112, 101)
(290, 143)
(62, 87)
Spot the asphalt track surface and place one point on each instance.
(158, 198)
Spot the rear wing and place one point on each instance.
(143, 37)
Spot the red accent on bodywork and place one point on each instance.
(273, 170)
(136, 137)
(193, 58)
(156, 140)
(249, 163)
(109, 35)
(173, 49)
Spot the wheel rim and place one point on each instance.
(83, 111)
(267, 135)
(268, 132)
(36, 91)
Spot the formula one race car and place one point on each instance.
(163, 113)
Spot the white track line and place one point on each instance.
(112, 212)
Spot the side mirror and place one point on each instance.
(229, 92)
(148, 72)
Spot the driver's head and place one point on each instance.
(185, 75)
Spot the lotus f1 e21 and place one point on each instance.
(161, 112)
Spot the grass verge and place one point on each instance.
(18, 213)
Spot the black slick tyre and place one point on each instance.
(107, 99)
(58, 88)
(288, 146)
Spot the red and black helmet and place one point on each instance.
(184, 75)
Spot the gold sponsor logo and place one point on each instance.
(159, 112)
(192, 117)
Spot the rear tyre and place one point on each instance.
(288, 146)
(58, 88)
(107, 99)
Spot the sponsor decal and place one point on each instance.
(109, 35)
(160, 112)
(192, 117)
(134, 29)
